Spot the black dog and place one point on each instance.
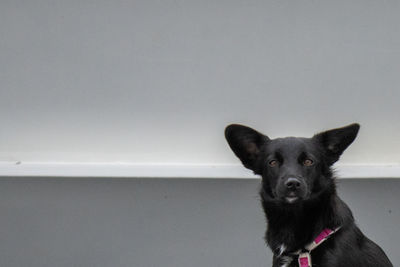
(307, 221)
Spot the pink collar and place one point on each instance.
(304, 254)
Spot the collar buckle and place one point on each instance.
(305, 259)
(304, 256)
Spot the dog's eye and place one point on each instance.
(308, 162)
(273, 163)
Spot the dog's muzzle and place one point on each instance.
(293, 189)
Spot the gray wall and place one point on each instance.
(161, 222)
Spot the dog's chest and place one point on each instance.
(283, 261)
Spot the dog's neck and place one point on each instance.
(295, 225)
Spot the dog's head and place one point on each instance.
(293, 169)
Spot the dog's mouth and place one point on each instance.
(291, 198)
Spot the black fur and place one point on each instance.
(298, 195)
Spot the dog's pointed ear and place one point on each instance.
(335, 141)
(245, 143)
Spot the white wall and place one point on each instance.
(157, 81)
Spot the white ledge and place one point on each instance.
(129, 170)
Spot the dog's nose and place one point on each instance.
(292, 183)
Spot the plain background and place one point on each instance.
(48, 222)
(133, 81)
(156, 82)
